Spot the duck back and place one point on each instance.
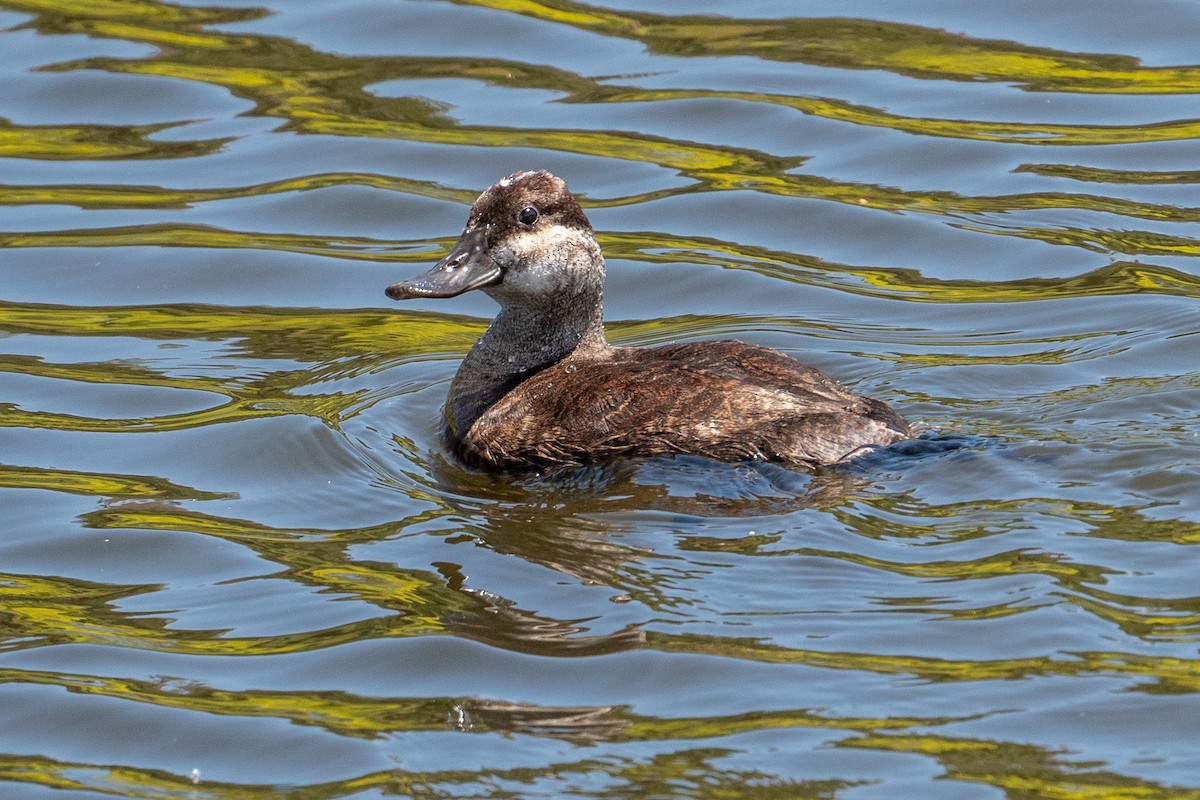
(722, 399)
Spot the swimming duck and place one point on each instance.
(543, 386)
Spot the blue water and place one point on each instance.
(237, 562)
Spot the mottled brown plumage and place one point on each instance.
(543, 386)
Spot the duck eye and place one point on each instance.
(528, 215)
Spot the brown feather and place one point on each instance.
(722, 399)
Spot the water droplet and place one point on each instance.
(570, 368)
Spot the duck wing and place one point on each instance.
(725, 400)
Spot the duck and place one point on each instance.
(543, 387)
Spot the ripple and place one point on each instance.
(239, 561)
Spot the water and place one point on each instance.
(235, 561)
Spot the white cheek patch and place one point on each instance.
(537, 261)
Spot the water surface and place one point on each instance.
(236, 562)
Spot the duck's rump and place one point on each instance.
(725, 400)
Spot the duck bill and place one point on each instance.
(467, 267)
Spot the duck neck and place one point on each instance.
(523, 339)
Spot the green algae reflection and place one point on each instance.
(325, 93)
(700, 773)
(846, 43)
(348, 714)
(696, 773)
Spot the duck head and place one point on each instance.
(526, 240)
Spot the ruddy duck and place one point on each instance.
(543, 387)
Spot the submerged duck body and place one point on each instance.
(543, 386)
